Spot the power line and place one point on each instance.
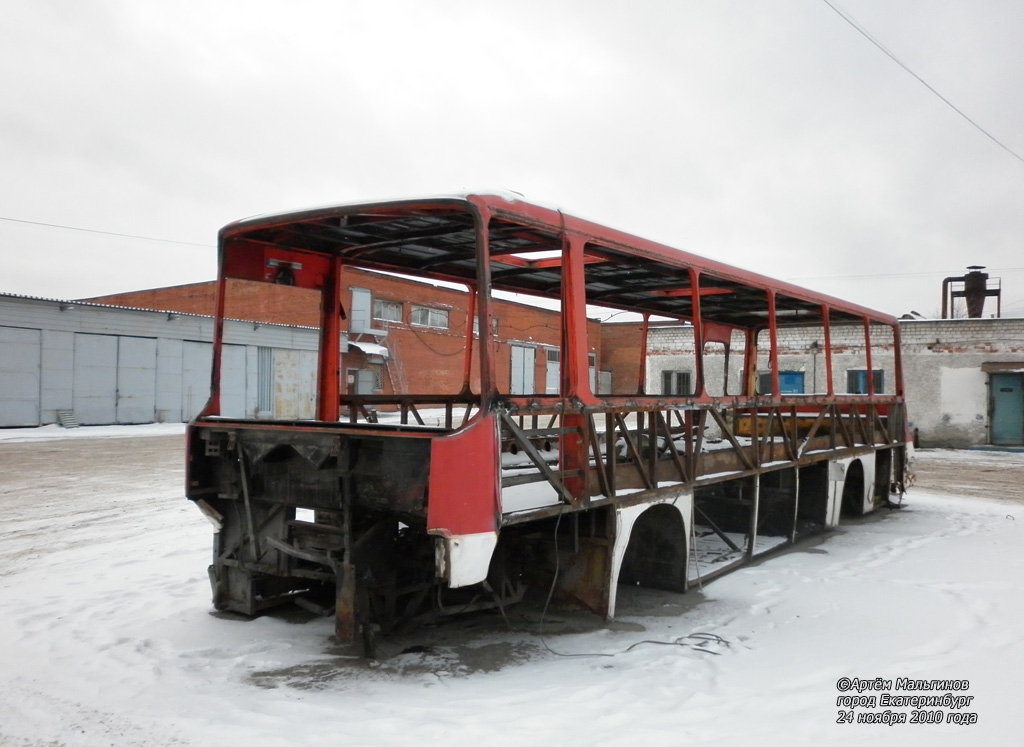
(939, 273)
(850, 20)
(105, 233)
(207, 246)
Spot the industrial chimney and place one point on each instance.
(974, 288)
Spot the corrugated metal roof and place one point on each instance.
(92, 304)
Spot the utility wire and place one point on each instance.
(896, 274)
(208, 246)
(850, 20)
(105, 233)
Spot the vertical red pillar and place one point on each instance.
(867, 357)
(897, 348)
(773, 337)
(750, 363)
(575, 360)
(641, 375)
(698, 333)
(482, 218)
(467, 360)
(329, 360)
(825, 314)
(213, 404)
(575, 374)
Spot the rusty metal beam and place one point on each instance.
(727, 432)
(599, 462)
(527, 446)
(634, 452)
(672, 447)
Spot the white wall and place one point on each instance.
(946, 389)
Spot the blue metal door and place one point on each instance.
(1007, 409)
(791, 382)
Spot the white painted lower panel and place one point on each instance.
(624, 520)
(466, 558)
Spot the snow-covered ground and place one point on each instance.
(108, 637)
(56, 433)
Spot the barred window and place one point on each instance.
(857, 381)
(675, 382)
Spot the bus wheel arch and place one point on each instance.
(651, 546)
(853, 490)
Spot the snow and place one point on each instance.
(109, 637)
(711, 553)
(529, 496)
(56, 432)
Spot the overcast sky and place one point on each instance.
(768, 134)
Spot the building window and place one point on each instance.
(857, 381)
(790, 382)
(675, 382)
(424, 316)
(494, 326)
(387, 311)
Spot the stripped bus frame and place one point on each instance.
(576, 491)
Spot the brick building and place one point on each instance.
(402, 336)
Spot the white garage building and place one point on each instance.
(103, 365)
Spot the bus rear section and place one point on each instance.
(380, 523)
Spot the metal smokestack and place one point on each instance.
(975, 287)
(974, 290)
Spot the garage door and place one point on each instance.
(232, 381)
(136, 380)
(196, 364)
(19, 376)
(95, 379)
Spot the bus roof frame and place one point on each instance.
(436, 238)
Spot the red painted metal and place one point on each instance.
(329, 358)
(773, 341)
(213, 404)
(641, 376)
(463, 496)
(867, 358)
(484, 311)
